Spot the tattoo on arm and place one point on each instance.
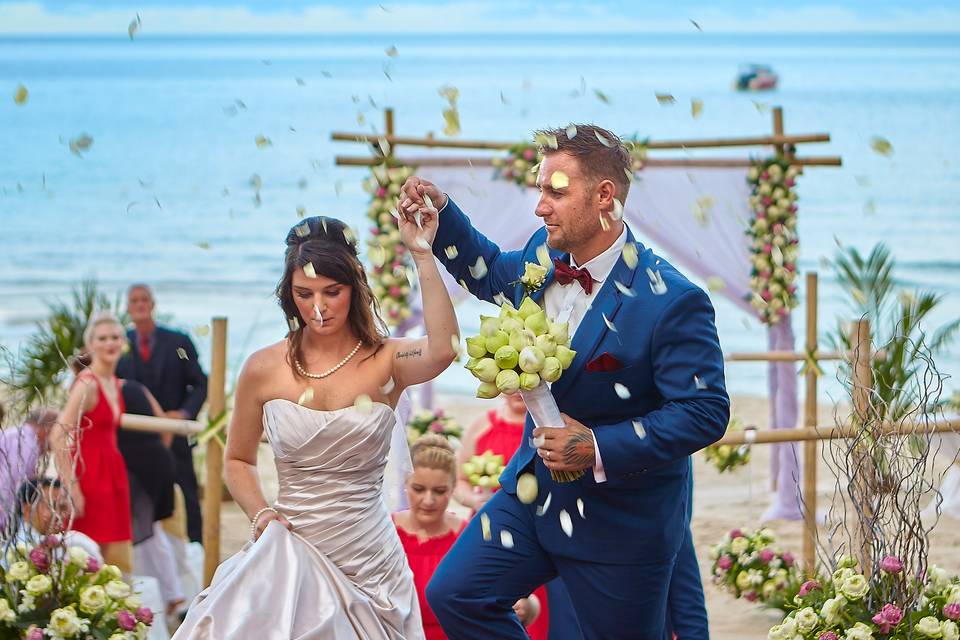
(579, 450)
(412, 353)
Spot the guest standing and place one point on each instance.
(20, 452)
(84, 444)
(165, 361)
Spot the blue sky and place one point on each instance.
(477, 16)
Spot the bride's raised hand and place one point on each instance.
(418, 230)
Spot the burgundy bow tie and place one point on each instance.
(565, 274)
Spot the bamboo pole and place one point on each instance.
(439, 143)
(865, 468)
(782, 356)
(151, 424)
(810, 447)
(752, 435)
(213, 490)
(478, 161)
(779, 145)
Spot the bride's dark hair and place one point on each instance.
(326, 243)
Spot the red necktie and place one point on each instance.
(145, 348)
(565, 274)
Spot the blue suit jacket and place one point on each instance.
(673, 369)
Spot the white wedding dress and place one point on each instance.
(342, 572)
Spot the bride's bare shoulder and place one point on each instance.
(265, 361)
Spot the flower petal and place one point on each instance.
(566, 523)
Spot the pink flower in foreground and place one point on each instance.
(736, 533)
(126, 620)
(891, 564)
(528, 154)
(952, 611)
(766, 555)
(888, 617)
(437, 426)
(750, 595)
(34, 634)
(829, 635)
(381, 192)
(40, 559)
(809, 586)
(724, 562)
(788, 558)
(92, 565)
(145, 615)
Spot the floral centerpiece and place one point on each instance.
(849, 605)
(726, 457)
(522, 350)
(427, 421)
(483, 471)
(388, 256)
(773, 238)
(52, 592)
(748, 564)
(519, 164)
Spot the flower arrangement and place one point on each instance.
(483, 471)
(427, 421)
(727, 457)
(52, 592)
(387, 254)
(850, 606)
(519, 164)
(773, 238)
(747, 564)
(638, 154)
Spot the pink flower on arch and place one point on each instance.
(788, 558)
(528, 154)
(766, 555)
(381, 192)
(888, 617)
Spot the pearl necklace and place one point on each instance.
(318, 376)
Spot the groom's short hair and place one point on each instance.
(601, 153)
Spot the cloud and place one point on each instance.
(471, 17)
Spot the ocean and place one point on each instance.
(164, 194)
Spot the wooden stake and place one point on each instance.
(213, 491)
(487, 161)
(810, 448)
(780, 147)
(865, 467)
(388, 128)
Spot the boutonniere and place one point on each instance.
(534, 275)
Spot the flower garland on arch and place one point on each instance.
(519, 165)
(390, 276)
(773, 238)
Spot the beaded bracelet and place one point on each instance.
(256, 516)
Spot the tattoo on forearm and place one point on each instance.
(413, 353)
(579, 451)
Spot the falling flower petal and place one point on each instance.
(607, 322)
(378, 256)
(363, 403)
(694, 23)
(617, 213)
(21, 95)
(665, 99)
(760, 106)
(302, 230)
(262, 141)
(624, 289)
(451, 119)
(485, 527)
(571, 132)
(639, 430)
(451, 252)
(203, 245)
(457, 347)
(580, 508)
(500, 299)
(479, 270)
(604, 225)
(776, 254)
(696, 107)
(300, 81)
(566, 523)
(527, 488)
(506, 539)
(630, 254)
(392, 51)
(203, 330)
(539, 441)
(182, 353)
(428, 202)
(293, 323)
(621, 390)
(601, 96)
(716, 283)
(309, 271)
(602, 140)
(82, 142)
(559, 180)
(542, 509)
(700, 384)
(870, 207)
(134, 26)
(543, 256)
(701, 208)
(306, 396)
(881, 145)
(657, 284)
(388, 387)
(348, 233)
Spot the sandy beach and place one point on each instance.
(721, 502)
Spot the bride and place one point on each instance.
(325, 561)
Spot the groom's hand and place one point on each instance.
(567, 448)
(411, 196)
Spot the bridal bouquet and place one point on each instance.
(522, 350)
(427, 421)
(849, 605)
(52, 592)
(483, 471)
(747, 564)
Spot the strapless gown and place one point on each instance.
(341, 573)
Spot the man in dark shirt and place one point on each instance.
(165, 361)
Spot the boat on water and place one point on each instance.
(756, 77)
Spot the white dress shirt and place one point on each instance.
(570, 303)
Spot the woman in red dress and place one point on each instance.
(85, 445)
(427, 530)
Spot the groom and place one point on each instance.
(645, 390)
